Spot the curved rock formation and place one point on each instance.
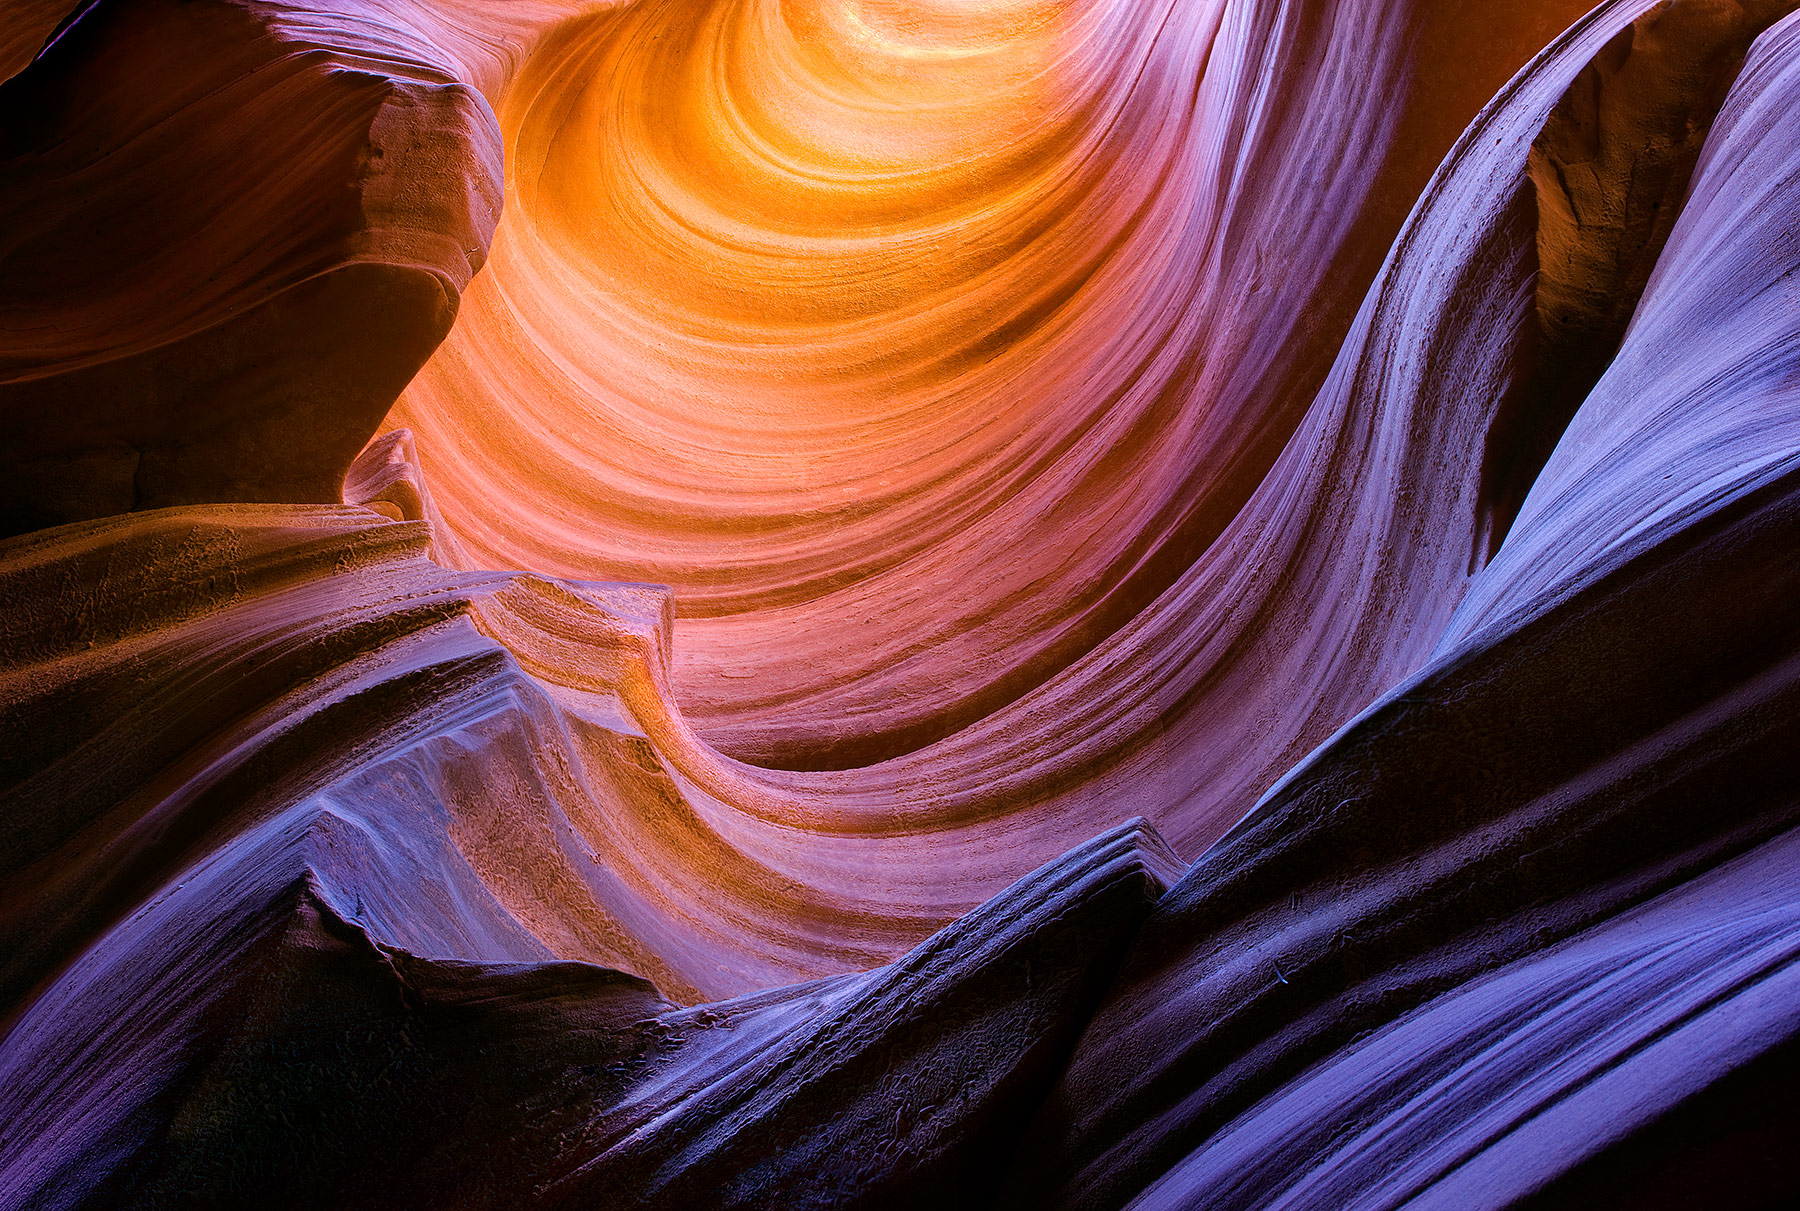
(715, 745)
(921, 348)
(219, 272)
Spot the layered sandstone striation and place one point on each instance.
(1006, 604)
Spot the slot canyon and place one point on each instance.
(1082, 604)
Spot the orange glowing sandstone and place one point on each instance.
(1225, 642)
(920, 348)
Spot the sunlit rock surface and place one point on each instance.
(780, 604)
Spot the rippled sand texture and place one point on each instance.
(1087, 604)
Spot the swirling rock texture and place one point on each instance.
(995, 603)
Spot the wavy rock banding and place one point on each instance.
(688, 604)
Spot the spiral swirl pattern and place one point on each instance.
(919, 348)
